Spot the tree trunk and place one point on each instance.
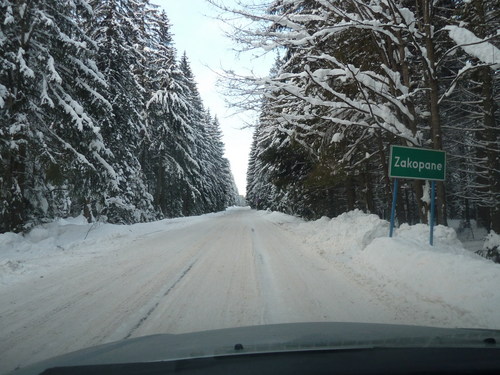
(87, 210)
(404, 68)
(350, 193)
(423, 208)
(159, 197)
(433, 86)
(369, 202)
(16, 180)
(489, 137)
(400, 204)
(385, 168)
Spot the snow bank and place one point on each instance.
(348, 233)
(343, 236)
(279, 217)
(444, 237)
(66, 241)
(445, 274)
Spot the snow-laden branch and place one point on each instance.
(476, 47)
(3, 95)
(464, 70)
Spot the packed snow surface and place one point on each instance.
(69, 285)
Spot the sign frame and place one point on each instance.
(417, 158)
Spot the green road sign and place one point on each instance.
(417, 163)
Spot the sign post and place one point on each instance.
(393, 207)
(433, 209)
(419, 164)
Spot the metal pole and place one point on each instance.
(393, 208)
(433, 208)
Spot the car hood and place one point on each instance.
(267, 339)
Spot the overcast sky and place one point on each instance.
(197, 32)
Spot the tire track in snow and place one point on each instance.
(199, 249)
(158, 300)
(24, 331)
(100, 299)
(265, 284)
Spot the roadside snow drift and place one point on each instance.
(68, 285)
(68, 241)
(445, 273)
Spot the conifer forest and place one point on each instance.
(353, 77)
(99, 116)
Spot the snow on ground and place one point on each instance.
(472, 236)
(69, 285)
(446, 273)
(67, 241)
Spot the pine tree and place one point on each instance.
(358, 76)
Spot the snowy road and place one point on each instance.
(234, 269)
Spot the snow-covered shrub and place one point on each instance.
(491, 247)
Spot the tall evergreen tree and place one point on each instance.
(116, 29)
(471, 105)
(358, 76)
(98, 118)
(51, 95)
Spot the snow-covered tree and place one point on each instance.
(51, 94)
(116, 29)
(358, 76)
(97, 117)
(472, 112)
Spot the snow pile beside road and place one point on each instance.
(445, 273)
(279, 217)
(66, 241)
(444, 237)
(57, 243)
(341, 237)
(348, 233)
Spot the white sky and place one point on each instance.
(196, 31)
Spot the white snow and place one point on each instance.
(3, 95)
(337, 137)
(492, 241)
(54, 76)
(409, 18)
(23, 67)
(9, 17)
(453, 280)
(68, 241)
(474, 46)
(22, 9)
(69, 284)
(426, 194)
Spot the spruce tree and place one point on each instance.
(52, 95)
